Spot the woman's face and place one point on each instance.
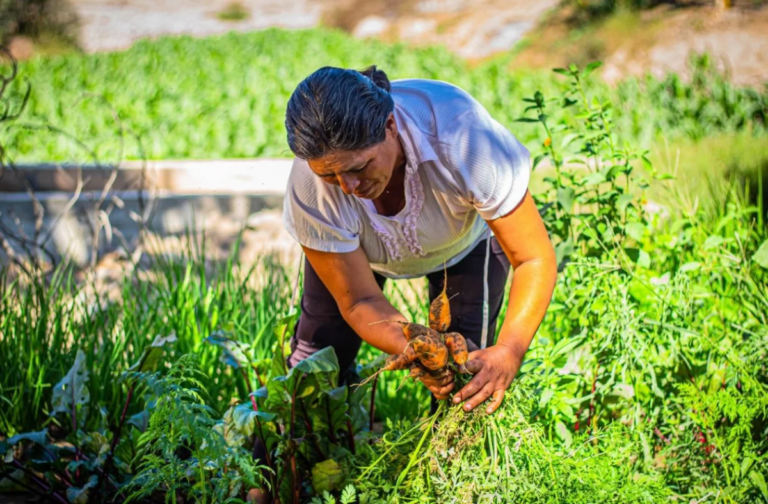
(364, 173)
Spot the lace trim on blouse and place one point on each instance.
(416, 193)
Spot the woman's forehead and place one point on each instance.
(340, 161)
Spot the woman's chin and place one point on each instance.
(370, 193)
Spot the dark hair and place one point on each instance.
(338, 109)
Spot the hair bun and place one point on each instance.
(378, 77)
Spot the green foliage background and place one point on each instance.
(225, 96)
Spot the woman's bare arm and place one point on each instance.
(350, 280)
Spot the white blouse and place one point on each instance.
(462, 168)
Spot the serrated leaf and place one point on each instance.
(348, 495)
(72, 391)
(761, 256)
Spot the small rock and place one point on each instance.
(257, 496)
(416, 27)
(371, 26)
(21, 47)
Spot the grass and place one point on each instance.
(699, 167)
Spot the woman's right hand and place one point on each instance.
(440, 387)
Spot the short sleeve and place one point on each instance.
(491, 167)
(318, 216)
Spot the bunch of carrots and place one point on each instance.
(429, 348)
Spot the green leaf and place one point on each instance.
(639, 257)
(244, 418)
(152, 354)
(641, 292)
(526, 120)
(72, 391)
(77, 495)
(563, 251)
(713, 242)
(690, 266)
(545, 397)
(348, 495)
(592, 67)
(593, 179)
(563, 433)
(566, 196)
(761, 256)
(635, 230)
(746, 465)
(624, 201)
(327, 476)
(234, 351)
(538, 159)
(39, 437)
(759, 481)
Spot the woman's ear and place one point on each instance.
(391, 125)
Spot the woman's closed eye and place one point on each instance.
(331, 176)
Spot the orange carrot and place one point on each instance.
(457, 345)
(417, 372)
(431, 351)
(410, 330)
(440, 310)
(400, 361)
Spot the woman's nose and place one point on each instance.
(348, 183)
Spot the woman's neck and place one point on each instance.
(392, 200)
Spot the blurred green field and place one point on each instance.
(646, 381)
(224, 97)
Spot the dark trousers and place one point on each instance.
(321, 325)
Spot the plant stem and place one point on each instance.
(373, 397)
(29, 488)
(116, 437)
(350, 436)
(39, 482)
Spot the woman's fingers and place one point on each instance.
(498, 398)
(437, 382)
(474, 365)
(471, 388)
(478, 398)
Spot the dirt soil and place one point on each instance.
(472, 28)
(658, 41)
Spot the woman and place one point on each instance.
(398, 180)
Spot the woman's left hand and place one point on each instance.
(494, 368)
